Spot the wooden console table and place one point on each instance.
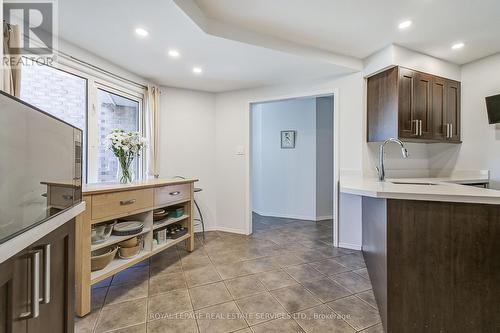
(136, 201)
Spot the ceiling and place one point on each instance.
(359, 28)
(106, 28)
(243, 44)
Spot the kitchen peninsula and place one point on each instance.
(432, 252)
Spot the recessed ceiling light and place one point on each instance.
(141, 32)
(457, 46)
(405, 24)
(174, 53)
(197, 70)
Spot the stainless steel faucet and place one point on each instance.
(380, 168)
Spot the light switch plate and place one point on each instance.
(240, 150)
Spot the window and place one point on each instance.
(114, 111)
(74, 98)
(59, 93)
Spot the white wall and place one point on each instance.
(324, 157)
(284, 184)
(187, 143)
(481, 142)
(233, 124)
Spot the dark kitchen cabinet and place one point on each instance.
(412, 106)
(49, 263)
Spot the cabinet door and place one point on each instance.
(56, 314)
(439, 108)
(14, 297)
(453, 109)
(406, 116)
(423, 105)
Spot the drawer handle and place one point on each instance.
(46, 274)
(35, 287)
(175, 193)
(67, 197)
(127, 202)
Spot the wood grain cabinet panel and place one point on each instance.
(172, 193)
(119, 203)
(412, 106)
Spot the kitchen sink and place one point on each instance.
(413, 183)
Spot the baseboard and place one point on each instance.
(350, 246)
(224, 229)
(294, 217)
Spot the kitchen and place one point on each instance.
(393, 248)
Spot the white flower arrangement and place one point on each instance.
(126, 146)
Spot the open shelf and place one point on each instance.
(118, 265)
(117, 239)
(167, 221)
(169, 243)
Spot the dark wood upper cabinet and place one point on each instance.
(412, 106)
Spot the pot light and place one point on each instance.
(405, 24)
(141, 32)
(457, 46)
(197, 70)
(174, 53)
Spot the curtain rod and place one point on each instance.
(102, 70)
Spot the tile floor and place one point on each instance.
(286, 277)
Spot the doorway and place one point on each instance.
(292, 164)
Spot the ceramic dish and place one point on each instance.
(101, 232)
(159, 214)
(102, 257)
(128, 228)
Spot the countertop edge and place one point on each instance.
(99, 188)
(22, 241)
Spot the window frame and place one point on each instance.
(99, 79)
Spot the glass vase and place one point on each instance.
(124, 174)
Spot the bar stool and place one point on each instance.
(200, 218)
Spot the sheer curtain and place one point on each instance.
(11, 69)
(152, 130)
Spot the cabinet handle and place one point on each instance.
(451, 130)
(416, 127)
(127, 202)
(35, 287)
(420, 128)
(175, 193)
(46, 274)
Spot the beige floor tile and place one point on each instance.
(98, 297)
(196, 261)
(329, 267)
(363, 272)
(374, 329)
(244, 286)
(276, 279)
(303, 273)
(352, 281)
(184, 323)
(295, 298)
(287, 259)
(352, 261)
(232, 270)
(278, 326)
(356, 312)
(368, 297)
(166, 282)
(126, 292)
(208, 295)
(322, 319)
(259, 265)
(326, 290)
(222, 318)
(121, 315)
(201, 276)
(131, 275)
(87, 323)
(141, 328)
(165, 266)
(260, 308)
(174, 302)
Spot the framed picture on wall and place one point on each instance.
(288, 139)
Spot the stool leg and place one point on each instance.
(201, 218)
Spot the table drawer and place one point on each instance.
(118, 203)
(172, 193)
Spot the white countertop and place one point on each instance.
(447, 189)
(22, 241)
